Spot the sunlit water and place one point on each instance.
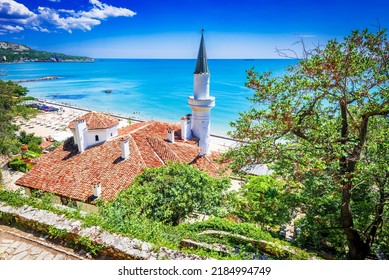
(148, 89)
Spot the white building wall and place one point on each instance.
(201, 85)
(186, 126)
(88, 137)
(80, 129)
(103, 135)
(201, 121)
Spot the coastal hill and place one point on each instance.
(13, 52)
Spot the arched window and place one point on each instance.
(97, 138)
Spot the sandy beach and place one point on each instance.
(55, 124)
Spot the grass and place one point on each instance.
(160, 234)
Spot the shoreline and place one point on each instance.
(219, 143)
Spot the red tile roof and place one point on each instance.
(68, 173)
(151, 138)
(210, 165)
(96, 120)
(71, 174)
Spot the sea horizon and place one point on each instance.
(144, 88)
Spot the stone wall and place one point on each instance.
(112, 245)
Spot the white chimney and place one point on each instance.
(186, 131)
(125, 148)
(170, 135)
(80, 127)
(96, 189)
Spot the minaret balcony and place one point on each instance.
(202, 103)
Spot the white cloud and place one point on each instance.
(103, 11)
(96, 3)
(10, 29)
(66, 11)
(14, 14)
(40, 29)
(14, 9)
(68, 23)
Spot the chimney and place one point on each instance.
(80, 127)
(170, 135)
(125, 148)
(96, 189)
(186, 123)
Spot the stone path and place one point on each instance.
(19, 245)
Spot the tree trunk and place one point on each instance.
(358, 249)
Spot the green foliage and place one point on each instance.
(23, 162)
(31, 141)
(32, 55)
(244, 238)
(266, 201)
(170, 193)
(89, 245)
(38, 199)
(157, 233)
(15, 199)
(56, 233)
(12, 97)
(220, 224)
(7, 219)
(19, 164)
(319, 127)
(1, 179)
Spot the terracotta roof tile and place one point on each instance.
(210, 165)
(163, 151)
(68, 173)
(96, 120)
(151, 139)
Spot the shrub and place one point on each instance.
(265, 200)
(18, 164)
(170, 193)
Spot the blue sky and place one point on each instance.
(171, 29)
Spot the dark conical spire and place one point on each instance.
(202, 62)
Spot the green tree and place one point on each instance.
(319, 126)
(264, 200)
(12, 97)
(170, 193)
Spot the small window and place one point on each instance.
(111, 134)
(97, 138)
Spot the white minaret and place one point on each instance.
(201, 102)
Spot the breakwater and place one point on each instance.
(47, 78)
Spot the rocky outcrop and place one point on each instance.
(13, 52)
(112, 245)
(13, 46)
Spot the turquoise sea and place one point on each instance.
(149, 89)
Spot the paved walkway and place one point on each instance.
(19, 245)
